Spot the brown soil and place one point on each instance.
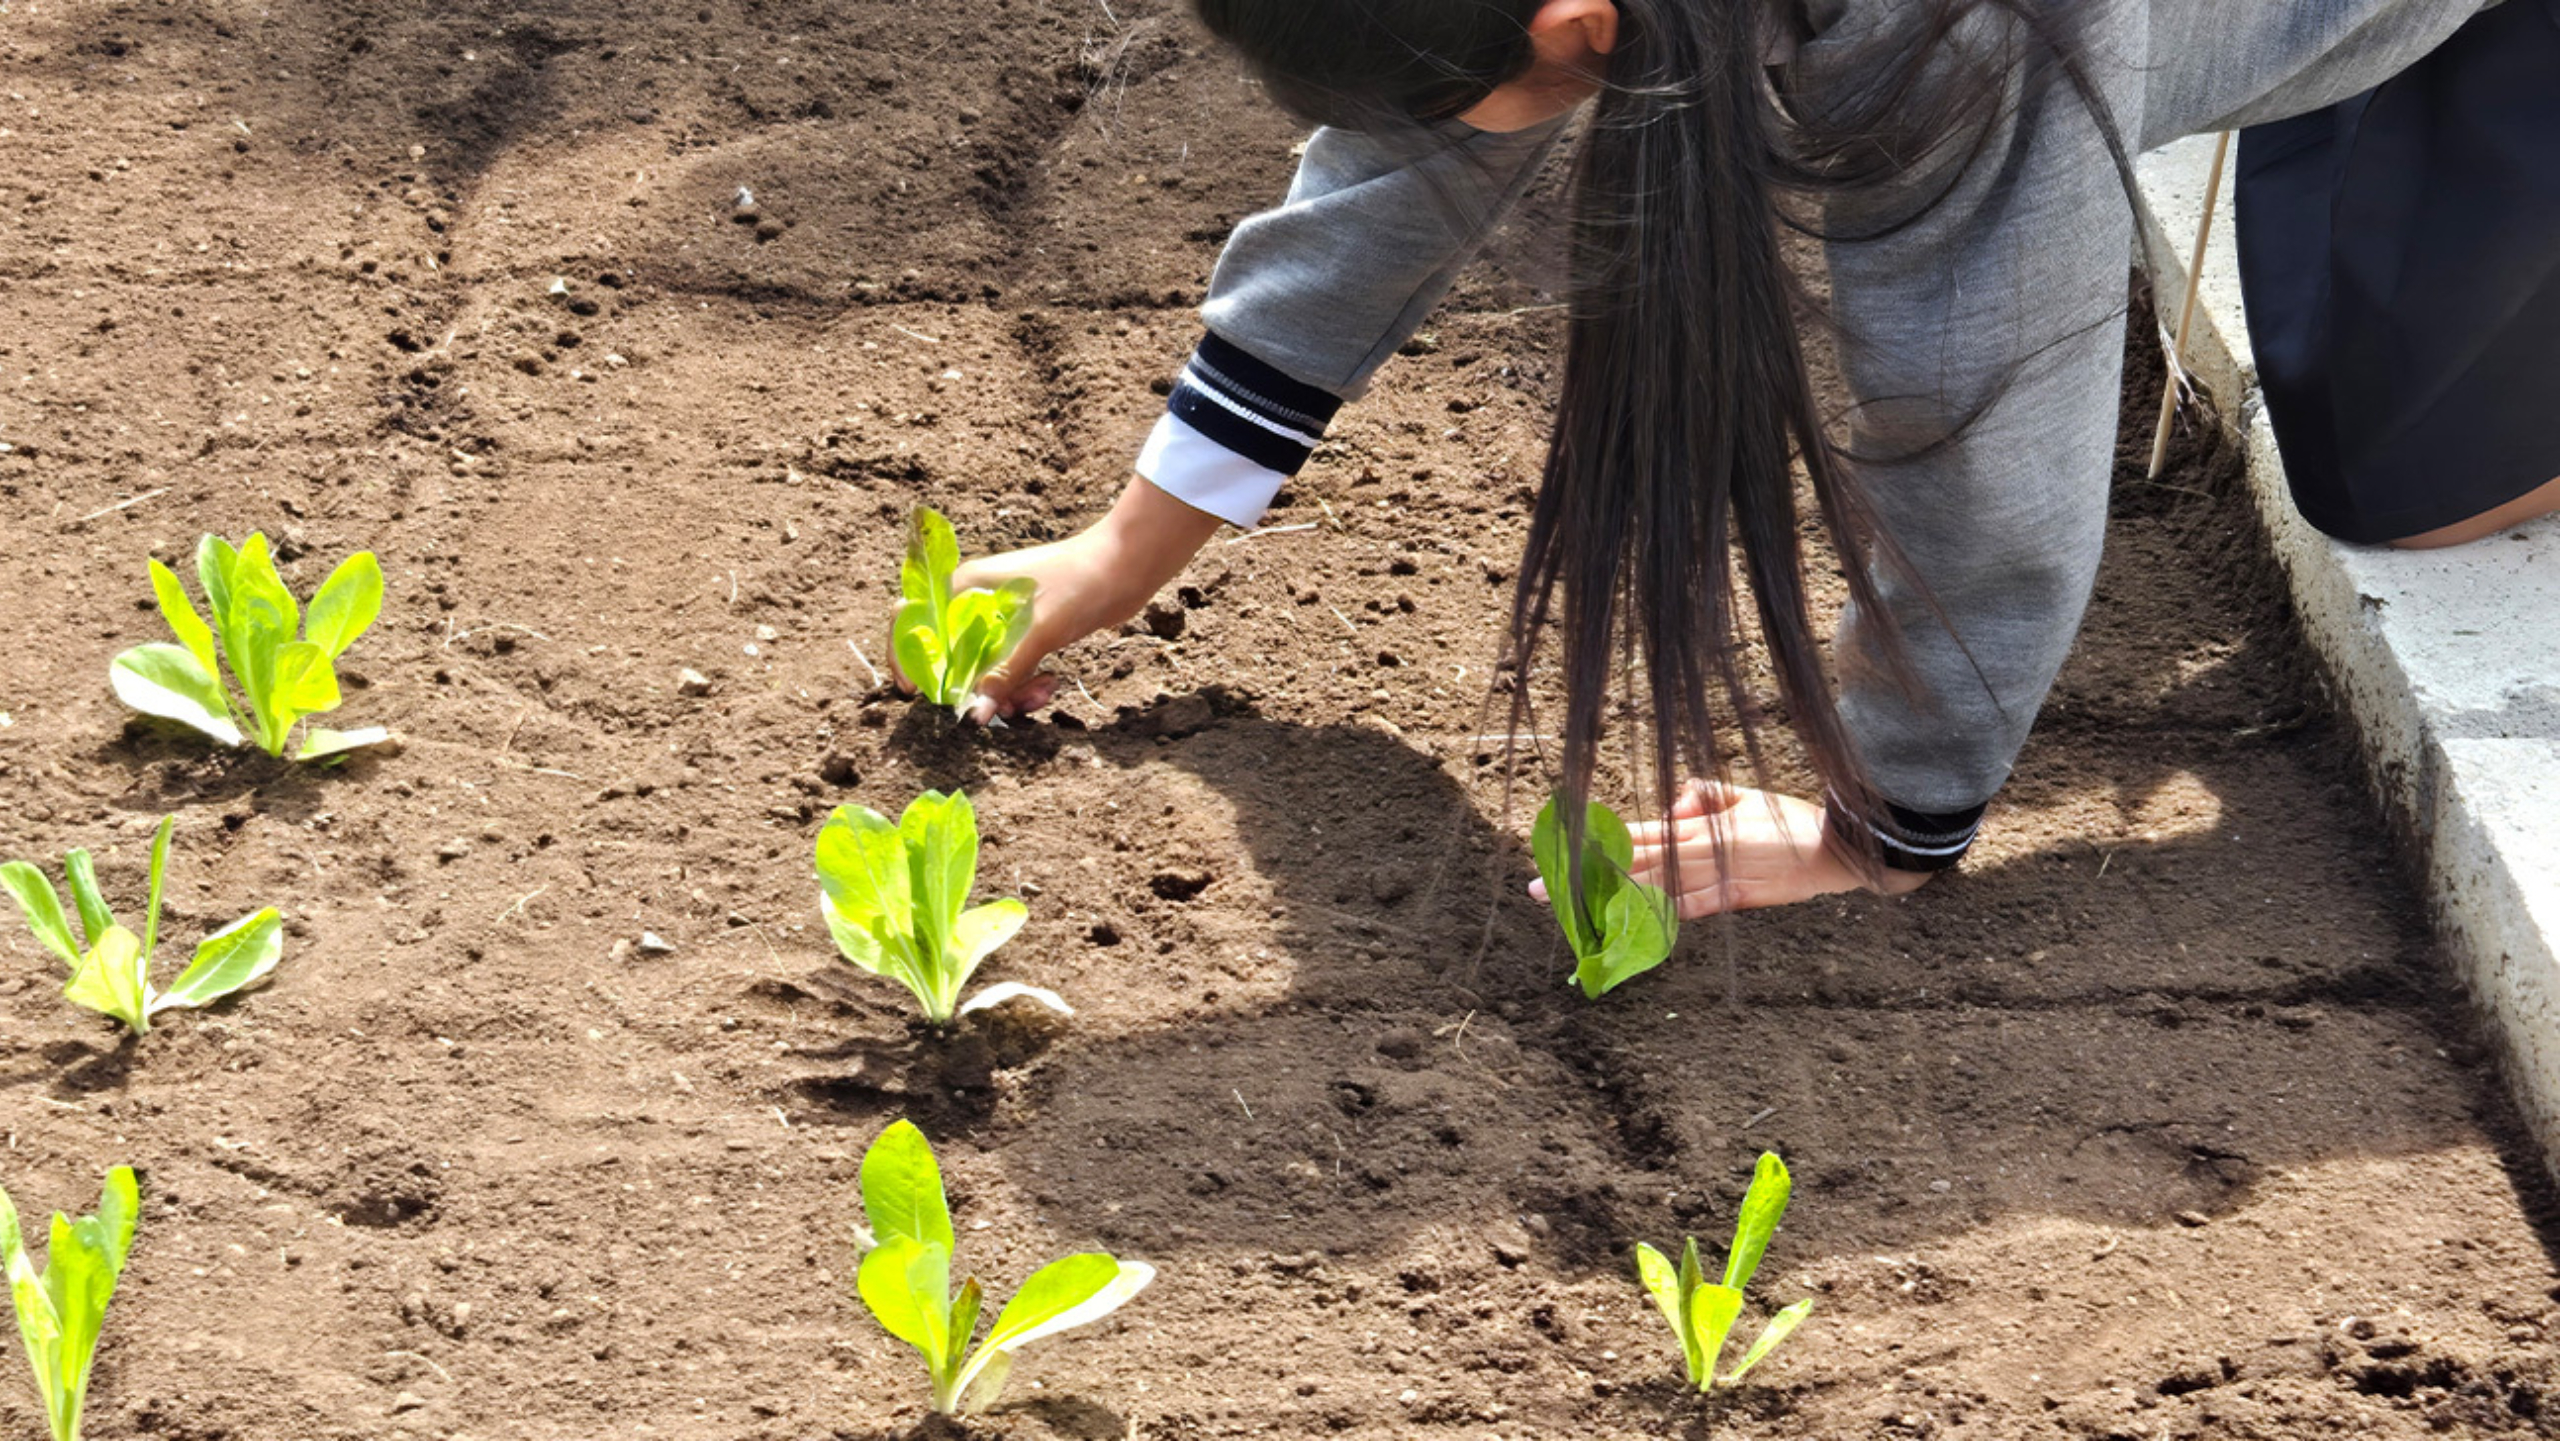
(2156, 1121)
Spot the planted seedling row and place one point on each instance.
(895, 898)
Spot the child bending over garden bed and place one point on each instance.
(1966, 165)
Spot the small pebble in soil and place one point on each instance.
(691, 682)
(453, 850)
(1179, 883)
(653, 944)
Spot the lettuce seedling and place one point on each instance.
(61, 1308)
(1619, 927)
(281, 679)
(905, 1280)
(1702, 1315)
(893, 897)
(948, 643)
(112, 972)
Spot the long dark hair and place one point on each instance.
(1687, 396)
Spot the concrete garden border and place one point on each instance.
(2448, 662)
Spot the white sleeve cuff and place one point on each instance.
(1205, 475)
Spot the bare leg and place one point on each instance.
(2540, 501)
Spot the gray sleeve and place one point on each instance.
(1375, 228)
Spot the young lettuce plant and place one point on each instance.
(1702, 1314)
(1619, 927)
(893, 895)
(111, 973)
(62, 1308)
(905, 1280)
(282, 679)
(948, 643)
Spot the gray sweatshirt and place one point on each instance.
(2008, 294)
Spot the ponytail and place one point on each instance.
(1687, 399)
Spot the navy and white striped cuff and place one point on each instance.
(1909, 840)
(1207, 476)
(1234, 429)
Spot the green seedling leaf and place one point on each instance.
(1551, 847)
(255, 619)
(1779, 1328)
(305, 683)
(919, 652)
(259, 621)
(902, 1189)
(1762, 1206)
(231, 959)
(1702, 1314)
(940, 834)
(1003, 991)
(906, 1280)
(1059, 1297)
(1065, 1294)
(159, 872)
(1712, 1311)
(946, 644)
(42, 907)
(114, 978)
(1618, 927)
(1662, 1281)
(867, 895)
(166, 681)
(963, 1324)
(893, 894)
(112, 973)
(346, 604)
(82, 872)
(933, 553)
(979, 930)
(214, 559)
(907, 1285)
(62, 1309)
(1640, 930)
(188, 627)
(1018, 594)
(319, 742)
(993, 1370)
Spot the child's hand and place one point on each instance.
(1092, 580)
(1773, 852)
(1079, 594)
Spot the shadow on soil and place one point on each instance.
(1403, 1082)
(2134, 1029)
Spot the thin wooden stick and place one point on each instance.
(2187, 311)
(121, 504)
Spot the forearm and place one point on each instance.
(1148, 537)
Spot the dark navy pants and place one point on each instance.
(2400, 261)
